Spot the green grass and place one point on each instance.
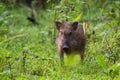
(28, 52)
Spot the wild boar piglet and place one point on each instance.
(71, 39)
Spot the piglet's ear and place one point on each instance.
(75, 25)
(58, 25)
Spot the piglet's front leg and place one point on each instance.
(61, 58)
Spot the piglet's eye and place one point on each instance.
(61, 33)
(70, 33)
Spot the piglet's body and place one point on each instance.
(71, 39)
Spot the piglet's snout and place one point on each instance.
(65, 48)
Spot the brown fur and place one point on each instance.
(72, 36)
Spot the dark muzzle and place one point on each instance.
(65, 48)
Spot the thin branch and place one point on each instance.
(14, 37)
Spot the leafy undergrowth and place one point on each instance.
(28, 52)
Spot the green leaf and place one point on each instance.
(114, 69)
(100, 59)
(79, 17)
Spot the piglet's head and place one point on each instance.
(66, 31)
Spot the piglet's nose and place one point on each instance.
(65, 48)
